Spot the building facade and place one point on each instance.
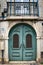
(21, 30)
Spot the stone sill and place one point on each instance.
(22, 18)
(22, 62)
(12, 18)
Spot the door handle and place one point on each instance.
(23, 45)
(20, 45)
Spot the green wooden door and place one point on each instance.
(29, 44)
(22, 43)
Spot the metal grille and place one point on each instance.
(22, 8)
(15, 41)
(28, 41)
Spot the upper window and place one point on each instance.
(21, 0)
(23, 7)
(25, 0)
(35, 0)
(17, 0)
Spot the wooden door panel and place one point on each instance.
(15, 43)
(29, 44)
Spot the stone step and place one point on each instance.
(21, 64)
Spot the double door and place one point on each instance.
(22, 44)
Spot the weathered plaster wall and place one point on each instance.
(5, 26)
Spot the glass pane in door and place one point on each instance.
(15, 41)
(28, 41)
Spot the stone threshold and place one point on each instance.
(22, 62)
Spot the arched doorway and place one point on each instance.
(22, 43)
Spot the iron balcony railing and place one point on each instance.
(22, 8)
